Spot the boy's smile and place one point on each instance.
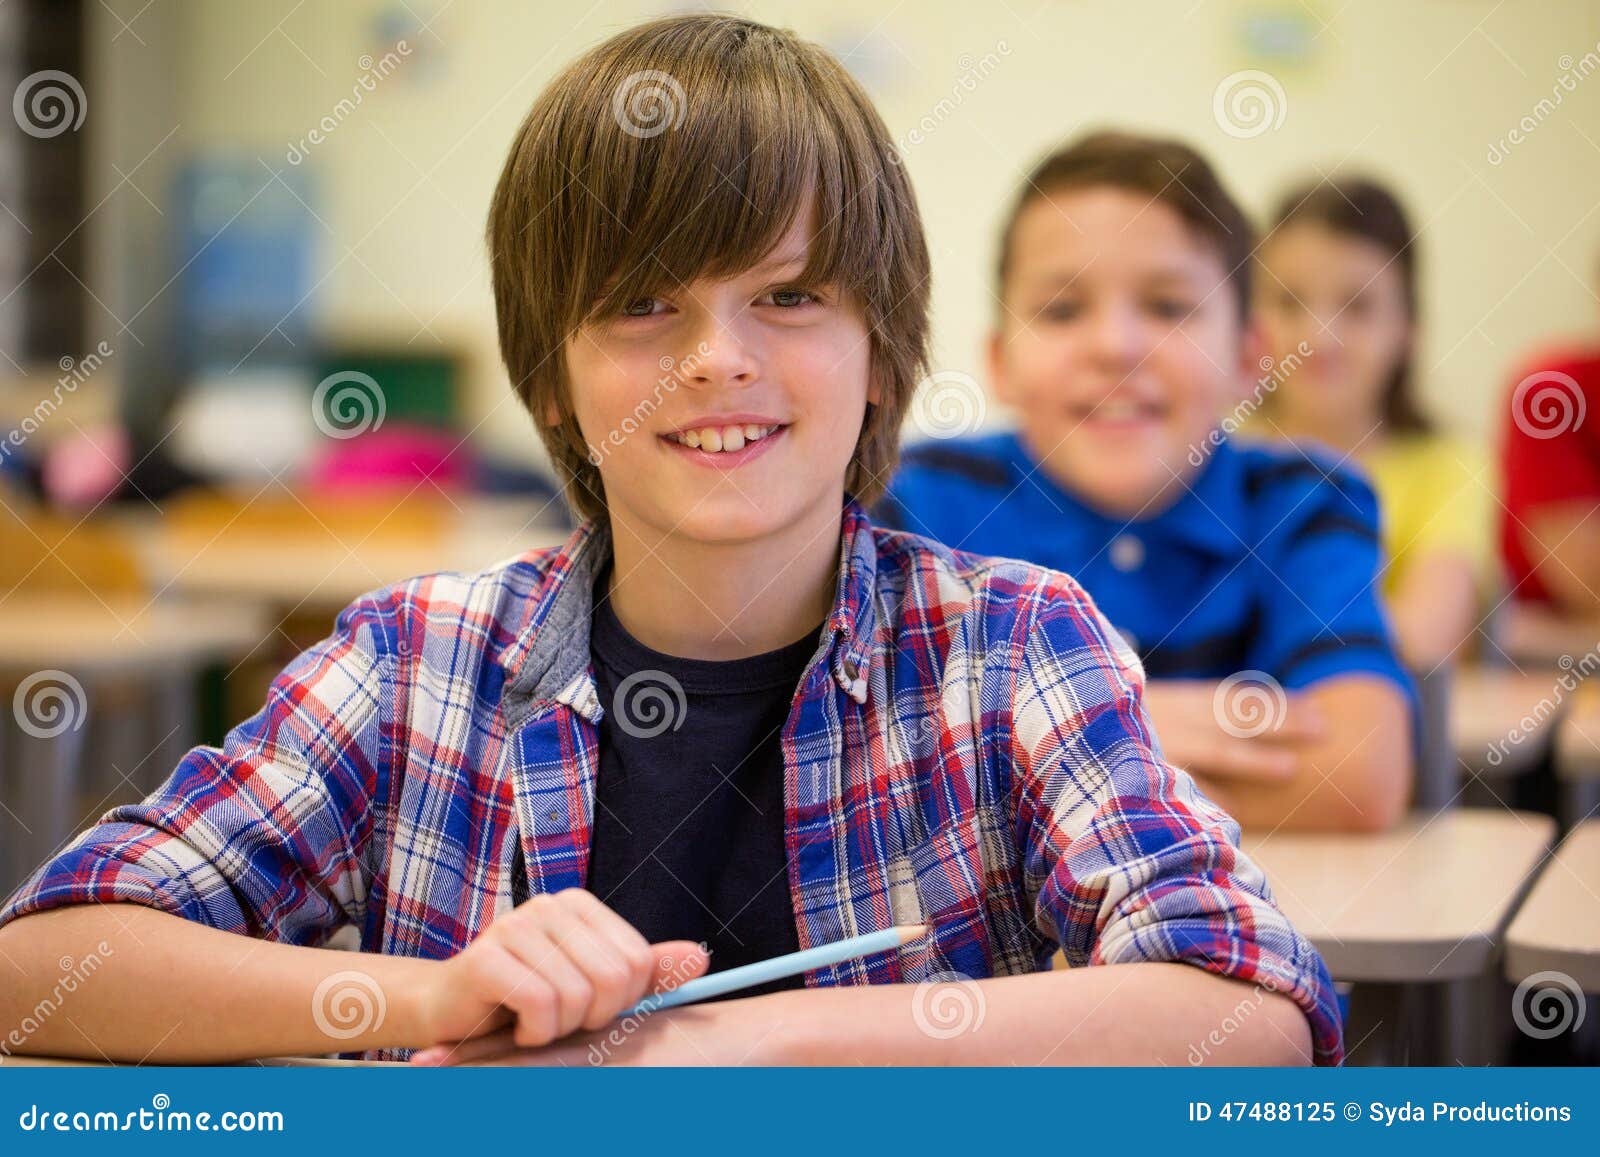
(726, 441)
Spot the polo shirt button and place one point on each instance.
(1127, 553)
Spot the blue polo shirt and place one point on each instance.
(1267, 562)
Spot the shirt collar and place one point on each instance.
(550, 661)
(1212, 505)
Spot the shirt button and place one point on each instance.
(554, 816)
(1127, 553)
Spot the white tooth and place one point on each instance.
(691, 439)
(754, 433)
(711, 439)
(733, 438)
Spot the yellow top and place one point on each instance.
(1436, 493)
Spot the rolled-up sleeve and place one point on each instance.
(265, 835)
(1125, 859)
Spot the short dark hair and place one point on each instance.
(1161, 168)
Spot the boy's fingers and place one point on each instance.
(1303, 721)
(677, 961)
(460, 1052)
(1248, 759)
(630, 942)
(547, 963)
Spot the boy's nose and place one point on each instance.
(1119, 338)
(720, 358)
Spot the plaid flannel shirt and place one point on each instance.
(967, 748)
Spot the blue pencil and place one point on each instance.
(750, 975)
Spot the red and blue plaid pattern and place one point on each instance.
(967, 748)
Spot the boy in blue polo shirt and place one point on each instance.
(1243, 576)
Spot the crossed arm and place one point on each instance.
(545, 982)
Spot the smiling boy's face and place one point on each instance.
(725, 410)
(1121, 346)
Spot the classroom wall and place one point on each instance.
(1416, 91)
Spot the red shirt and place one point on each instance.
(1550, 454)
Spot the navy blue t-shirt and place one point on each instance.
(688, 839)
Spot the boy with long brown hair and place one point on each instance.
(729, 711)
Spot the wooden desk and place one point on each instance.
(1424, 902)
(267, 1062)
(1578, 740)
(323, 574)
(1502, 721)
(1558, 927)
(114, 634)
(57, 651)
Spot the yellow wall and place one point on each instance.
(1415, 91)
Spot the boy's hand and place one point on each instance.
(555, 964)
(1196, 735)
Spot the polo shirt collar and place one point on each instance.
(1209, 514)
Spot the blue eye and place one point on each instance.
(789, 298)
(640, 307)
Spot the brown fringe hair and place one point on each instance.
(684, 148)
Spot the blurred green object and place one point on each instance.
(421, 388)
